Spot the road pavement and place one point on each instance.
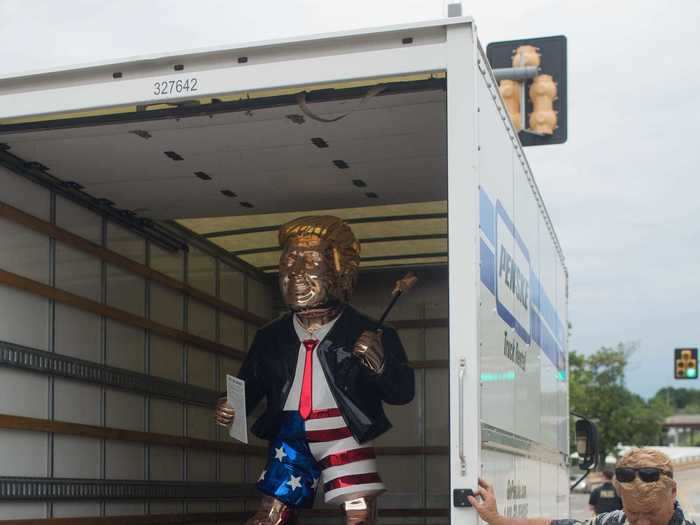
(689, 491)
(579, 506)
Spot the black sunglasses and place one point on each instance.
(646, 474)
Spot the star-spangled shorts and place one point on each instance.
(320, 450)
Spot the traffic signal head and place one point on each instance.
(685, 363)
(511, 94)
(540, 115)
(526, 55)
(543, 93)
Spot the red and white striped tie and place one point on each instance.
(305, 400)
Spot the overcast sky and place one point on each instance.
(623, 192)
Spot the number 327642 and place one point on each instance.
(169, 87)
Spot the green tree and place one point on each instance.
(681, 400)
(598, 391)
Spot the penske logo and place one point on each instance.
(512, 276)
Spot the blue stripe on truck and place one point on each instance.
(488, 267)
(542, 336)
(487, 217)
(546, 309)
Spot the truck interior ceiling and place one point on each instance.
(233, 171)
(197, 191)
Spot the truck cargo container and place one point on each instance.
(138, 256)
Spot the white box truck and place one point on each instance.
(402, 131)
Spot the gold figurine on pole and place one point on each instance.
(325, 370)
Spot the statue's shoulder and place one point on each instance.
(281, 322)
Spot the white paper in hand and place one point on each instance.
(235, 392)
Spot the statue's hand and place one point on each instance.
(224, 413)
(370, 350)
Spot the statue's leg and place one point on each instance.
(350, 479)
(272, 512)
(290, 477)
(361, 511)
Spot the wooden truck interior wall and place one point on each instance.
(56, 326)
(141, 434)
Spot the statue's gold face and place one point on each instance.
(307, 277)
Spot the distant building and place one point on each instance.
(681, 429)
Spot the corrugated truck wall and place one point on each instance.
(419, 477)
(111, 353)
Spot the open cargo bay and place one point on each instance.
(119, 332)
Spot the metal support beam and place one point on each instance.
(516, 73)
(358, 220)
(47, 489)
(34, 360)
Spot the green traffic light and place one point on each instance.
(692, 373)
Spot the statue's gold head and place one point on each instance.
(319, 262)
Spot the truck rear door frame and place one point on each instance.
(442, 47)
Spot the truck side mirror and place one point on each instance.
(587, 444)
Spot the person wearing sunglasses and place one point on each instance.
(644, 481)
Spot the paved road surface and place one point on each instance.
(689, 491)
(579, 506)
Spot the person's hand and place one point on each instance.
(370, 350)
(224, 413)
(487, 508)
